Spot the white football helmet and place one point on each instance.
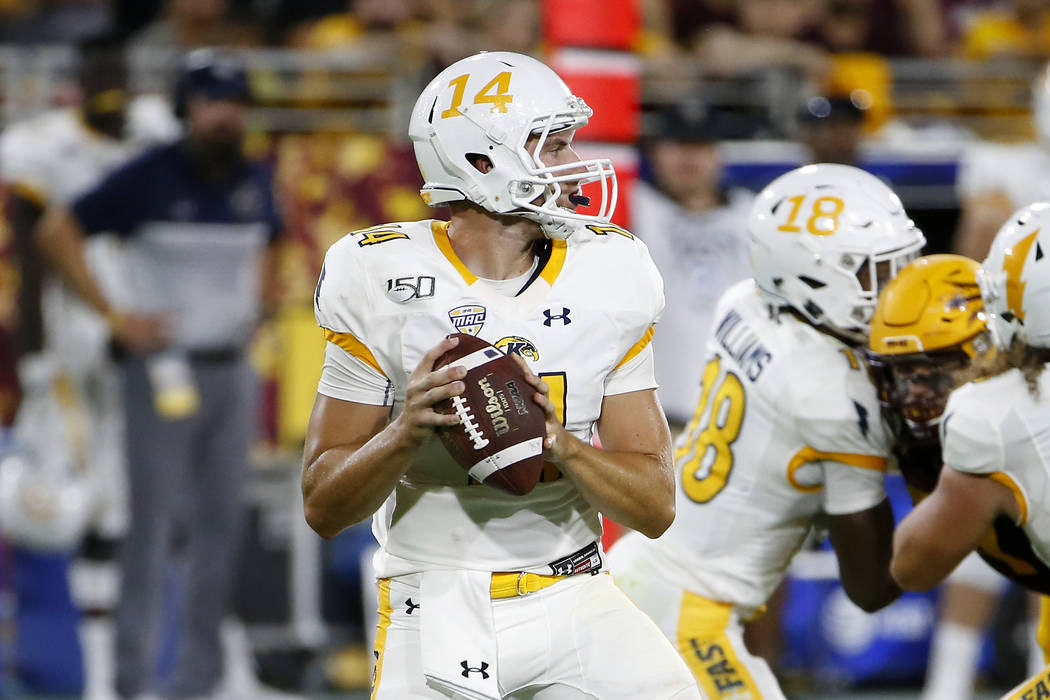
(825, 239)
(489, 105)
(1015, 279)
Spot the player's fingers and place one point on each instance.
(530, 376)
(426, 364)
(545, 403)
(442, 392)
(435, 419)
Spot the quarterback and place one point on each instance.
(786, 429)
(995, 431)
(483, 594)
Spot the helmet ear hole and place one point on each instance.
(480, 162)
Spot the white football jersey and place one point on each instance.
(388, 294)
(53, 158)
(787, 426)
(1019, 171)
(994, 427)
(699, 255)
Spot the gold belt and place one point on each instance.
(510, 584)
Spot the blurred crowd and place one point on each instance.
(805, 33)
(701, 62)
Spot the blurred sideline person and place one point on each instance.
(70, 423)
(196, 220)
(994, 431)
(693, 229)
(830, 128)
(928, 330)
(786, 431)
(989, 192)
(514, 601)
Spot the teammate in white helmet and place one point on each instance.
(482, 594)
(995, 431)
(786, 433)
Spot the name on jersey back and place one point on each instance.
(742, 344)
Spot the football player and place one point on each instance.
(64, 368)
(994, 431)
(786, 432)
(928, 332)
(511, 595)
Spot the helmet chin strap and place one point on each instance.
(553, 227)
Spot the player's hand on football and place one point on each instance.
(427, 387)
(556, 445)
(139, 332)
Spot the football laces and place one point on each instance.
(467, 420)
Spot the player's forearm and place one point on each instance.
(863, 544)
(918, 562)
(346, 484)
(636, 490)
(61, 241)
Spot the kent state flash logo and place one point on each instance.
(519, 346)
(468, 318)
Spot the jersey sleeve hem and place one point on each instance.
(809, 454)
(1019, 495)
(637, 374)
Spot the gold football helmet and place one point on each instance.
(929, 323)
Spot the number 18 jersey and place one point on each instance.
(787, 425)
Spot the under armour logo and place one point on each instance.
(468, 669)
(411, 606)
(563, 317)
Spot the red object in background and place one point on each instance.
(607, 24)
(611, 531)
(608, 81)
(625, 162)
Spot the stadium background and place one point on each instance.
(334, 82)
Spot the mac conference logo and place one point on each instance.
(468, 318)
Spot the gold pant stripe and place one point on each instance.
(384, 623)
(708, 651)
(1042, 633)
(1038, 686)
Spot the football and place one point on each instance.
(499, 438)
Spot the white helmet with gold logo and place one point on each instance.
(489, 105)
(824, 240)
(1015, 279)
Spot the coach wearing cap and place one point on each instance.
(197, 221)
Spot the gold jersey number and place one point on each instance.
(705, 456)
(495, 92)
